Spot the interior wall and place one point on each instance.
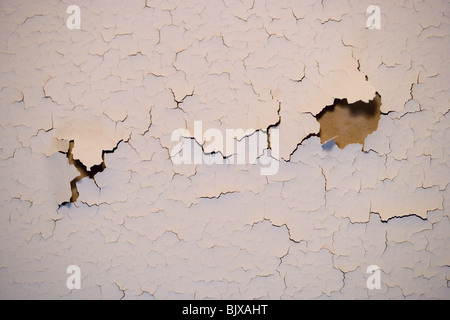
(145, 227)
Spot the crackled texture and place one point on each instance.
(145, 228)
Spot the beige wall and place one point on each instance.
(148, 228)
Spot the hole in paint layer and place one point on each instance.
(82, 170)
(349, 123)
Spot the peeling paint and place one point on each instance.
(349, 123)
(148, 229)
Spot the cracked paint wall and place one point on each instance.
(148, 229)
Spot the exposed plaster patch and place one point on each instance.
(349, 123)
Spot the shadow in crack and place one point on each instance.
(82, 170)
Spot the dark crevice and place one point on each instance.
(82, 169)
(410, 215)
(273, 125)
(301, 143)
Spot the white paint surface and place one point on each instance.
(149, 229)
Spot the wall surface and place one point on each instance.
(147, 227)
